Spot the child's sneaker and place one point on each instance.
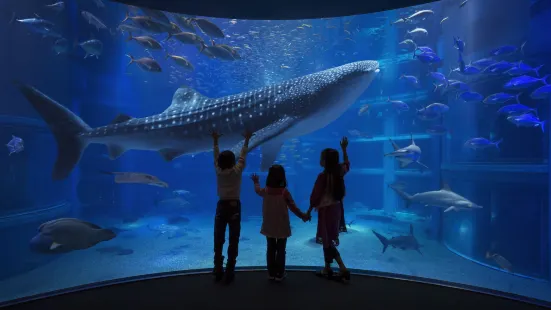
(271, 278)
(280, 278)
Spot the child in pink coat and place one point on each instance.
(275, 219)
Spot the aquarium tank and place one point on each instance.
(107, 109)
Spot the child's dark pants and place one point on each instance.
(228, 213)
(275, 256)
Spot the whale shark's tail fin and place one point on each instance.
(65, 126)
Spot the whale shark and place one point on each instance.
(275, 113)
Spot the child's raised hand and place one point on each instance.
(215, 134)
(254, 177)
(344, 142)
(248, 134)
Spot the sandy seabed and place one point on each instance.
(155, 250)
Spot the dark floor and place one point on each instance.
(252, 290)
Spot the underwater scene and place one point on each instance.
(108, 170)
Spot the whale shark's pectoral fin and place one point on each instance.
(170, 154)
(54, 246)
(115, 151)
(269, 153)
(269, 138)
(450, 209)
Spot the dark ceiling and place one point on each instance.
(273, 9)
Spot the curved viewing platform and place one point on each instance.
(195, 289)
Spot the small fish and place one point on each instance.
(463, 3)
(483, 63)
(398, 106)
(524, 81)
(363, 109)
(522, 68)
(409, 41)
(470, 96)
(500, 261)
(516, 109)
(437, 130)
(128, 28)
(418, 32)
(92, 48)
(58, 6)
(399, 21)
(209, 28)
(527, 120)
(41, 26)
(93, 20)
(424, 49)
(411, 79)
(428, 115)
(182, 192)
(436, 108)
(15, 145)
(99, 3)
(444, 19)
(427, 57)
(498, 67)
(418, 16)
(186, 23)
(438, 77)
(454, 85)
(499, 98)
(285, 67)
(145, 63)
(181, 61)
(541, 92)
(187, 38)
(458, 44)
(145, 41)
(349, 224)
(481, 143)
(61, 46)
(503, 50)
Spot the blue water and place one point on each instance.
(502, 246)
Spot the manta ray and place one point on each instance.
(275, 113)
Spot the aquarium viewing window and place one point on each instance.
(109, 117)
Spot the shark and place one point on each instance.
(443, 198)
(407, 155)
(406, 242)
(274, 113)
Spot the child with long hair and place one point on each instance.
(326, 198)
(228, 209)
(275, 219)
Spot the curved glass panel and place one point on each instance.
(469, 61)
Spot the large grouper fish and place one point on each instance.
(68, 234)
(275, 113)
